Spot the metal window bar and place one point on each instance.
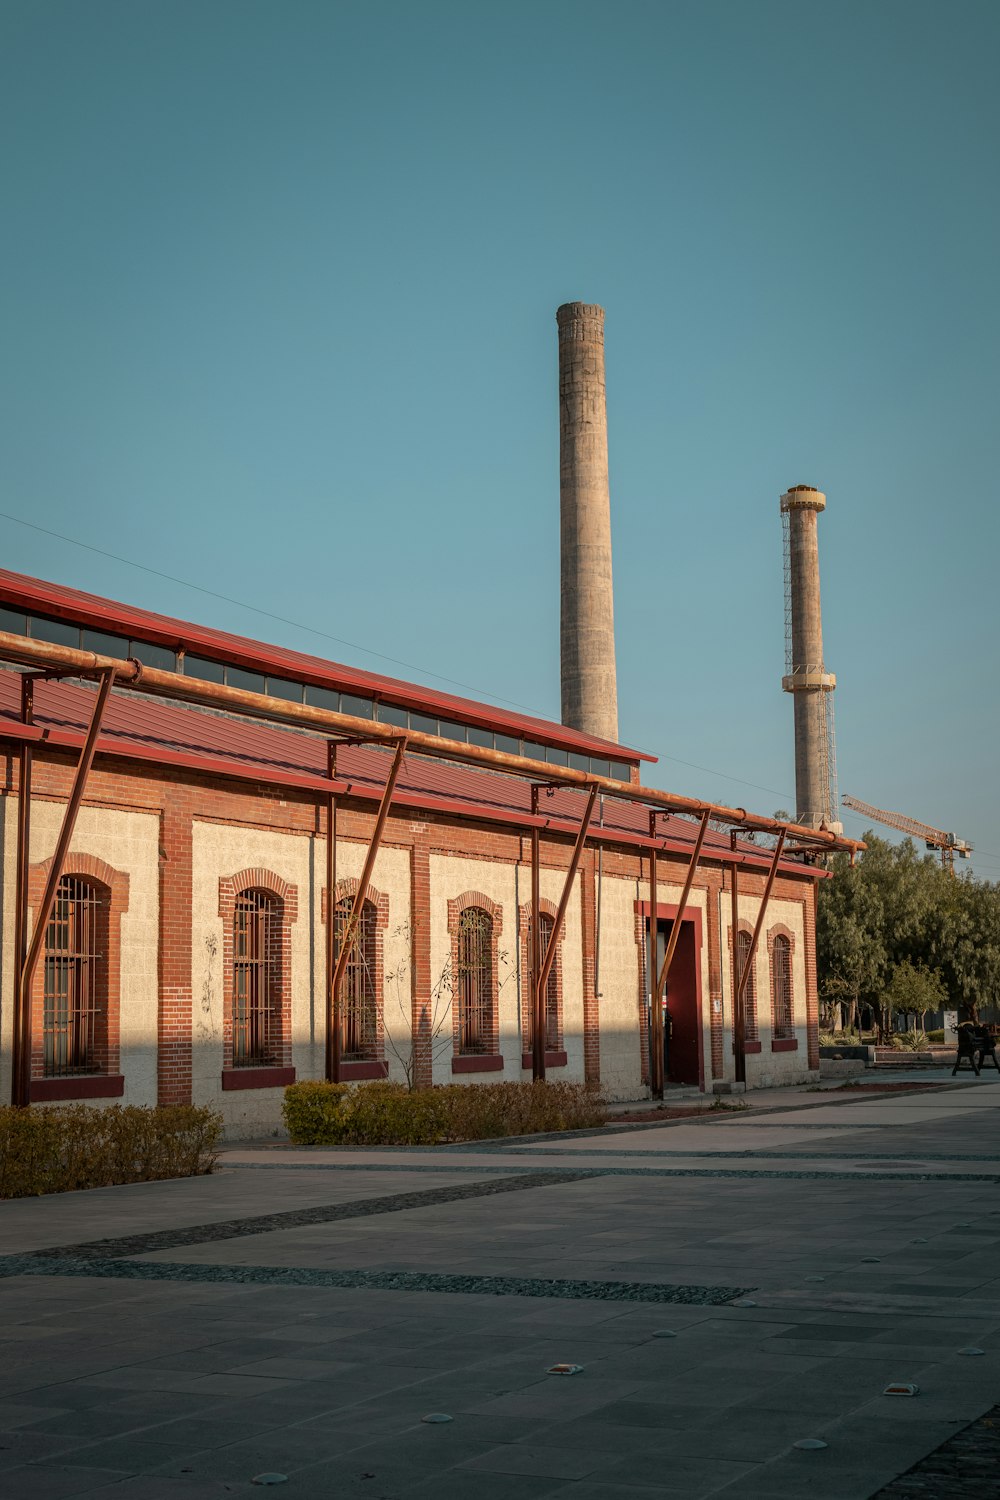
(256, 981)
(750, 992)
(358, 993)
(781, 969)
(74, 983)
(474, 982)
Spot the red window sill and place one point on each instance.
(552, 1060)
(256, 1078)
(477, 1064)
(355, 1072)
(785, 1044)
(92, 1086)
(753, 1046)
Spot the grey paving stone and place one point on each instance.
(47, 1482)
(543, 1461)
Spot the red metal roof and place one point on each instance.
(33, 595)
(142, 728)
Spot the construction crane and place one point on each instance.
(934, 838)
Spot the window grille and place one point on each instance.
(358, 995)
(474, 982)
(750, 992)
(781, 981)
(256, 980)
(75, 985)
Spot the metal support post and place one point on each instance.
(41, 917)
(739, 1030)
(675, 930)
(535, 956)
(542, 962)
(768, 886)
(19, 1090)
(655, 1008)
(350, 931)
(332, 1016)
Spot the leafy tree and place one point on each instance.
(897, 925)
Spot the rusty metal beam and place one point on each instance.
(21, 1050)
(350, 931)
(768, 886)
(675, 930)
(543, 968)
(655, 1008)
(175, 685)
(41, 916)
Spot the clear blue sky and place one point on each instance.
(278, 296)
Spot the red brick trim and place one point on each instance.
(347, 890)
(174, 1016)
(591, 999)
(552, 1060)
(357, 1072)
(257, 1078)
(494, 911)
(477, 1063)
(780, 930)
(784, 1044)
(257, 878)
(81, 1086)
(548, 909)
(113, 885)
(752, 1045)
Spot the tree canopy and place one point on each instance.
(899, 932)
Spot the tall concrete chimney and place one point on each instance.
(807, 679)
(587, 619)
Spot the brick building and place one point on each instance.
(187, 955)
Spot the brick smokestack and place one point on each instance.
(587, 618)
(806, 676)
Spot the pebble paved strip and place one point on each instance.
(966, 1467)
(394, 1281)
(330, 1213)
(781, 1174)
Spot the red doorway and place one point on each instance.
(684, 1053)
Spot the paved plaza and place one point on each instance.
(730, 1285)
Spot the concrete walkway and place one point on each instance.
(730, 1285)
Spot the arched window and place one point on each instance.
(781, 987)
(474, 982)
(553, 1040)
(74, 1025)
(257, 953)
(750, 992)
(358, 995)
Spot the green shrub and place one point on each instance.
(937, 1036)
(57, 1150)
(908, 1041)
(389, 1114)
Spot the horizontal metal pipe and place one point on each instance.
(129, 674)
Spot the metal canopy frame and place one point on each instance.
(344, 729)
(740, 977)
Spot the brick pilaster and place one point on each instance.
(174, 1015)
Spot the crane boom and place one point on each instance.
(934, 838)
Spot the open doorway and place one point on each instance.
(682, 1040)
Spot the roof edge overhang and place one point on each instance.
(97, 613)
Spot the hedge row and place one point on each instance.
(389, 1114)
(55, 1150)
